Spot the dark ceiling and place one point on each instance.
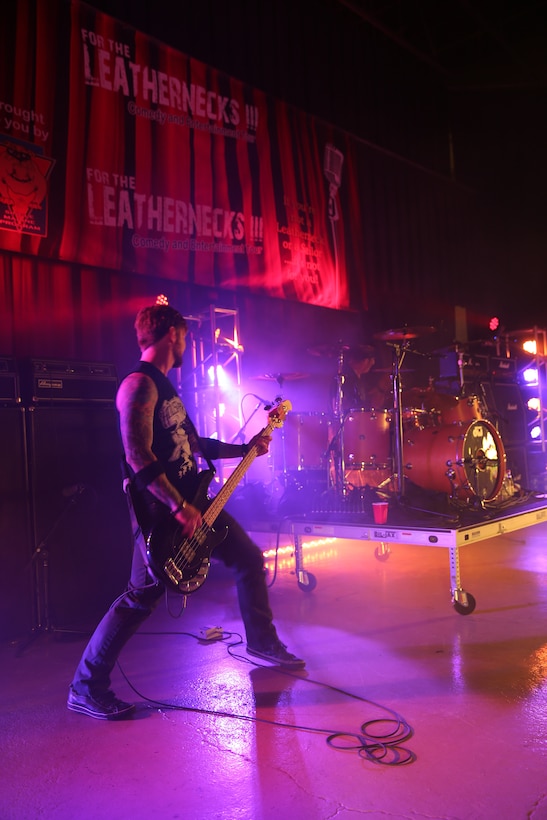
(476, 44)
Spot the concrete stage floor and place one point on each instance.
(461, 700)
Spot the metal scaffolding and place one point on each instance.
(216, 352)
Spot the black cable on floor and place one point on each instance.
(384, 747)
(276, 558)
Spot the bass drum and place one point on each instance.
(465, 462)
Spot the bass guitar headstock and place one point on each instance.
(278, 414)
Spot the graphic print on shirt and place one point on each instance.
(172, 415)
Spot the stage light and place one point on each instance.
(534, 404)
(530, 346)
(494, 323)
(535, 432)
(161, 299)
(223, 379)
(233, 344)
(530, 375)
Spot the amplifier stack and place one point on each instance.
(69, 541)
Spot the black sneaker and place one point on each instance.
(277, 653)
(104, 707)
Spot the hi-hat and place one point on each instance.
(403, 334)
(281, 377)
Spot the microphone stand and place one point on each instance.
(39, 561)
(261, 403)
(239, 435)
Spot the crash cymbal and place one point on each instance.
(281, 377)
(329, 351)
(403, 334)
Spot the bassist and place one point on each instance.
(159, 442)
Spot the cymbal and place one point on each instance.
(281, 377)
(487, 347)
(329, 351)
(476, 342)
(403, 334)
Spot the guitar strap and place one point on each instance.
(136, 528)
(197, 437)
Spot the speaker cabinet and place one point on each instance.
(80, 514)
(507, 411)
(517, 462)
(16, 599)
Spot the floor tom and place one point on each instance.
(303, 442)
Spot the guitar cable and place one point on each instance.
(379, 740)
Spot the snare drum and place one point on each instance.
(464, 462)
(366, 437)
(416, 418)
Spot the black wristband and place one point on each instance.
(180, 507)
(145, 476)
(245, 449)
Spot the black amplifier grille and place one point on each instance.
(53, 380)
(9, 382)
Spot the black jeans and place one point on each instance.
(129, 611)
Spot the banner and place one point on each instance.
(120, 152)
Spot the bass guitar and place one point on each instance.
(183, 562)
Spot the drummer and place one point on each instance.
(359, 385)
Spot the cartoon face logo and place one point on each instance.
(23, 185)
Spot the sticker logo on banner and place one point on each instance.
(24, 173)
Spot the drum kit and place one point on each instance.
(439, 442)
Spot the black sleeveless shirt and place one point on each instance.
(172, 431)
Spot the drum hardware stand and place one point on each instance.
(399, 351)
(39, 562)
(459, 362)
(340, 461)
(337, 444)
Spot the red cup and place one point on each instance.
(379, 511)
